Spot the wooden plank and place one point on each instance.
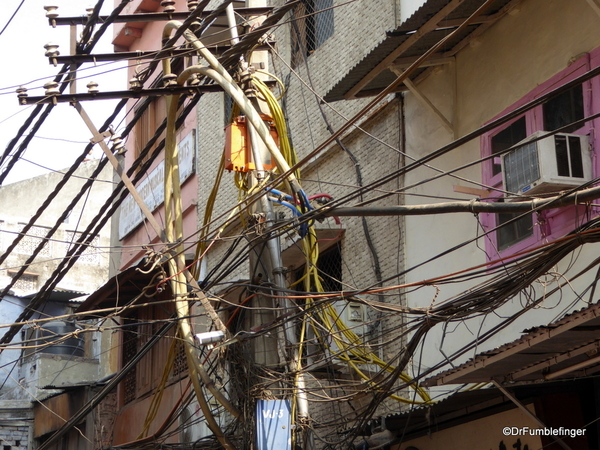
(423, 99)
(595, 6)
(435, 60)
(126, 180)
(471, 191)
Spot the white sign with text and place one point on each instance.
(151, 188)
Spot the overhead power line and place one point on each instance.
(12, 17)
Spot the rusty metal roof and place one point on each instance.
(433, 21)
(122, 289)
(565, 349)
(472, 405)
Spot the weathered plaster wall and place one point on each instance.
(515, 55)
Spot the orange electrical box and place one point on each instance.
(238, 150)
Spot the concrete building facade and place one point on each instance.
(27, 372)
(466, 107)
(359, 252)
(20, 201)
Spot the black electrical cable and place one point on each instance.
(12, 17)
(557, 199)
(89, 26)
(498, 328)
(522, 273)
(357, 168)
(86, 186)
(23, 146)
(80, 247)
(478, 132)
(104, 214)
(84, 410)
(63, 72)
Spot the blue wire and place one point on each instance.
(305, 199)
(281, 194)
(304, 226)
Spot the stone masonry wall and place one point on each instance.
(14, 437)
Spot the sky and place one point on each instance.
(64, 134)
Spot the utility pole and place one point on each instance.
(266, 260)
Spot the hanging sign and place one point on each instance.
(273, 425)
(152, 189)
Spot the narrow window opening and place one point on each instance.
(509, 233)
(506, 138)
(563, 109)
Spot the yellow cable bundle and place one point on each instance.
(280, 125)
(350, 345)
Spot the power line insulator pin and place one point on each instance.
(22, 94)
(92, 87)
(135, 84)
(51, 14)
(168, 6)
(52, 52)
(169, 80)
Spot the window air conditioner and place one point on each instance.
(554, 163)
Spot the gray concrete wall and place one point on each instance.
(20, 201)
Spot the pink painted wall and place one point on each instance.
(150, 39)
(552, 224)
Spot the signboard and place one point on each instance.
(273, 425)
(152, 189)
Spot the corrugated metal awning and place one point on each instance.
(566, 349)
(468, 406)
(432, 22)
(121, 289)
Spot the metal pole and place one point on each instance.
(272, 261)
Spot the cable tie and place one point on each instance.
(472, 206)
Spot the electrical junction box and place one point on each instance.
(554, 163)
(238, 150)
(352, 315)
(273, 425)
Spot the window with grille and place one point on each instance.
(180, 365)
(130, 349)
(227, 108)
(26, 282)
(312, 25)
(329, 266)
(32, 239)
(91, 255)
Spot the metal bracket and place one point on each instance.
(100, 137)
(528, 413)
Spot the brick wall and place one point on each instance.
(358, 26)
(14, 437)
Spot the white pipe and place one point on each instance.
(223, 78)
(232, 24)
